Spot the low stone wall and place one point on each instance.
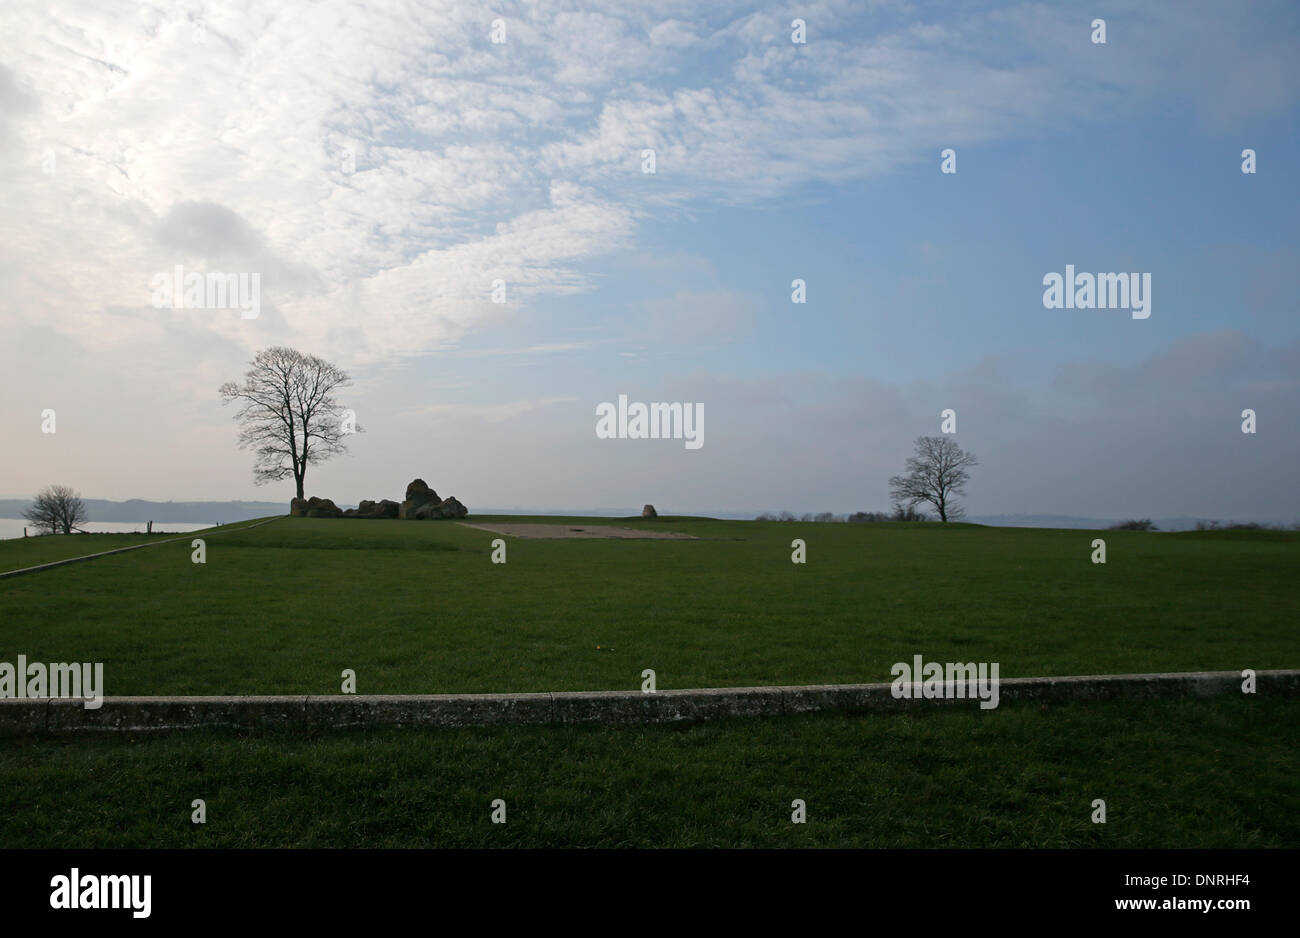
(148, 714)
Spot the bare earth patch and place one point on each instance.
(578, 530)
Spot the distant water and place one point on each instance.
(13, 527)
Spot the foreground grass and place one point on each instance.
(419, 607)
(1203, 773)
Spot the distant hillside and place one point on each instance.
(1047, 521)
(136, 509)
(1091, 524)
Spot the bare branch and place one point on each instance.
(57, 509)
(288, 415)
(936, 473)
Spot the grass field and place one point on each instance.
(16, 553)
(1173, 773)
(419, 607)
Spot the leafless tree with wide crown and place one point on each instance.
(57, 509)
(290, 416)
(934, 475)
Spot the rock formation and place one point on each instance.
(418, 494)
(447, 508)
(421, 503)
(649, 512)
(368, 509)
(314, 508)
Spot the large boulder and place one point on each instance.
(418, 494)
(649, 512)
(314, 508)
(452, 508)
(419, 491)
(322, 508)
(447, 508)
(381, 509)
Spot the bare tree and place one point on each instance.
(289, 414)
(909, 513)
(934, 475)
(57, 509)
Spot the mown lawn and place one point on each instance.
(418, 607)
(19, 552)
(1173, 773)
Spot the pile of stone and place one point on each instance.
(314, 508)
(422, 504)
(385, 508)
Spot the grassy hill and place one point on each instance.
(419, 608)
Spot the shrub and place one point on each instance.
(1135, 525)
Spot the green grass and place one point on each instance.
(417, 607)
(1173, 773)
(19, 552)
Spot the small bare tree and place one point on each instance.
(57, 509)
(289, 414)
(934, 475)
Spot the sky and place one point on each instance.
(386, 168)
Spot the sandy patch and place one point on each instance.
(579, 530)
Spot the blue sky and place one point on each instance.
(381, 165)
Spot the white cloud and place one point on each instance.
(490, 413)
(382, 166)
(674, 34)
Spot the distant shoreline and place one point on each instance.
(11, 528)
(206, 514)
